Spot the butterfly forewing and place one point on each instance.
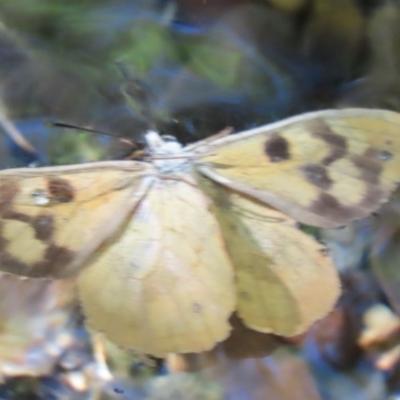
(325, 168)
(52, 219)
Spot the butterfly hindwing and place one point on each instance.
(284, 279)
(165, 282)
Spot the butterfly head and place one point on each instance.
(168, 155)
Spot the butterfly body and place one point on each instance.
(168, 249)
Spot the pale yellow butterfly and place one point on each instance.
(168, 249)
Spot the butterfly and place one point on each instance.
(167, 249)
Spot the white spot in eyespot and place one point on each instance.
(40, 197)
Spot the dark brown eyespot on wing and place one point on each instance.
(337, 143)
(43, 226)
(277, 148)
(60, 190)
(318, 175)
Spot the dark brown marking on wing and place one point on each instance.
(373, 198)
(318, 175)
(8, 262)
(338, 144)
(55, 259)
(15, 215)
(277, 148)
(60, 190)
(8, 190)
(369, 165)
(329, 207)
(12, 265)
(43, 226)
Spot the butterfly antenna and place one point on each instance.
(87, 129)
(81, 128)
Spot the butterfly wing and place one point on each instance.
(165, 283)
(323, 168)
(53, 219)
(284, 279)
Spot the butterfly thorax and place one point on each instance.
(167, 154)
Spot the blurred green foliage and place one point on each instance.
(206, 65)
(74, 147)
